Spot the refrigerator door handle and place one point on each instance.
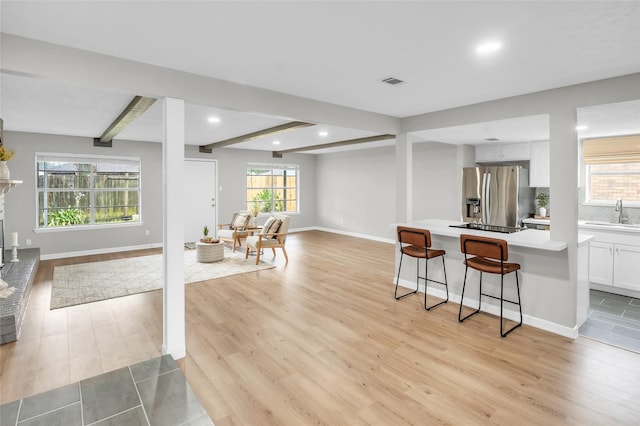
(486, 204)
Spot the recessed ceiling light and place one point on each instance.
(276, 142)
(323, 133)
(213, 119)
(489, 47)
(582, 127)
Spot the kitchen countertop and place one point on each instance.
(596, 225)
(530, 238)
(537, 221)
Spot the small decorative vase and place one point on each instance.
(4, 171)
(543, 211)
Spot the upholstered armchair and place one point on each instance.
(273, 235)
(237, 230)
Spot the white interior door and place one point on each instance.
(200, 195)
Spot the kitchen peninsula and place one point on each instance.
(544, 287)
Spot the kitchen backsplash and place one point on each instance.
(604, 213)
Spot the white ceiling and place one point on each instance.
(335, 52)
(621, 118)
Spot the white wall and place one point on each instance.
(356, 191)
(232, 177)
(436, 189)
(20, 202)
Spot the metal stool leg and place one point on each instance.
(398, 281)
(504, 334)
(426, 279)
(460, 318)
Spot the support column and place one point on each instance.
(404, 178)
(173, 315)
(563, 191)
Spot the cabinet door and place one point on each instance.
(516, 151)
(487, 153)
(626, 272)
(539, 170)
(601, 263)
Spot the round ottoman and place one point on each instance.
(209, 252)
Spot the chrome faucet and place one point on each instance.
(621, 218)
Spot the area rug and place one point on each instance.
(90, 282)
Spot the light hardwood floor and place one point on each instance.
(322, 341)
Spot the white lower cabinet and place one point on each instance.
(601, 263)
(614, 264)
(626, 266)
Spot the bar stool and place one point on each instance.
(415, 243)
(490, 256)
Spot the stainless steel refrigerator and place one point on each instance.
(496, 195)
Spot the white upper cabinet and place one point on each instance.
(503, 152)
(539, 168)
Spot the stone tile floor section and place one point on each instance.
(613, 319)
(152, 393)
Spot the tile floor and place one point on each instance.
(150, 393)
(613, 319)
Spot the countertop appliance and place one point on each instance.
(496, 195)
(490, 228)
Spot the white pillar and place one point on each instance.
(564, 200)
(404, 178)
(173, 315)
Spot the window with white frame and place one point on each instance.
(273, 188)
(612, 169)
(86, 191)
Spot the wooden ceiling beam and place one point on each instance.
(135, 109)
(278, 154)
(253, 135)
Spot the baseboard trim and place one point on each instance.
(158, 245)
(98, 251)
(615, 290)
(570, 332)
(354, 234)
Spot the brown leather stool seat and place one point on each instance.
(416, 243)
(490, 256)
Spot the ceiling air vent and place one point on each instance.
(392, 81)
(491, 139)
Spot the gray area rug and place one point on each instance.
(90, 282)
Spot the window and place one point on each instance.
(272, 188)
(611, 182)
(87, 191)
(613, 169)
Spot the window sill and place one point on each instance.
(87, 227)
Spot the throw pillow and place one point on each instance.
(267, 225)
(240, 221)
(233, 219)
(273, 228)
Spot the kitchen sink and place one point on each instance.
(615, 224)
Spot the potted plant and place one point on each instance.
(5, 155)
(255, 209)
(207, 238)
(543, 201)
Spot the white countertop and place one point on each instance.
(530, 238)
(596, 225)
(537, 221)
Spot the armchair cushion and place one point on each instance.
(273, 235)
(240, 220)
(271, 226)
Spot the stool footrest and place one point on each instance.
(498, 298)
(404, 295)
